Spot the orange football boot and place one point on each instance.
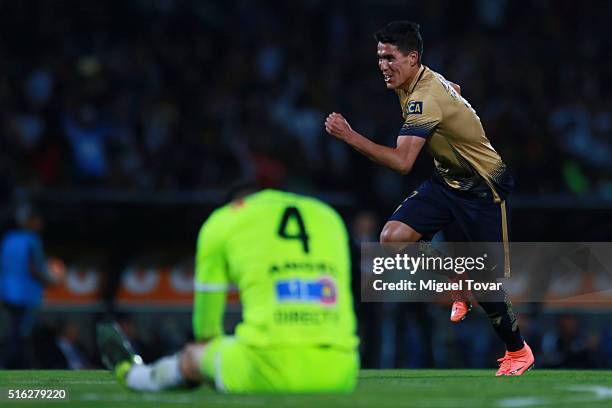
(459, 310)
(461, 303)
(516, 362)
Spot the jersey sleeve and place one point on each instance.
(208, 311)
(211, 279)
(422, 116)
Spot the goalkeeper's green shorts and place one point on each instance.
(238, 368)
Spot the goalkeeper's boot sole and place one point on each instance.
(116, 351)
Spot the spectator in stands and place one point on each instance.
(569, 344)
(68, 342)
(159, 101)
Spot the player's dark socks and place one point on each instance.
(504, 322)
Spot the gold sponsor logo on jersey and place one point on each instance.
(414, 107)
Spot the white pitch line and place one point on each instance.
(59, 383)
(166, 399)
(519, 402)
(241, 400)
(601, 393)
(178, 399)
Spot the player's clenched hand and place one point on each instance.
(336, 125)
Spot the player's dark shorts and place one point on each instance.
(433, 206)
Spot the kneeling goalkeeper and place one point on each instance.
(289, 257)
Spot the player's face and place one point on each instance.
(397, 69)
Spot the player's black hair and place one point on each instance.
(405, 35)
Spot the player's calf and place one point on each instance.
(174, 371)
(163, 374)
(179, 370)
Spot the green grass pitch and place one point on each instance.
(377, 388)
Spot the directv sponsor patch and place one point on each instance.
(414, 107)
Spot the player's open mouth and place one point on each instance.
(387, 77)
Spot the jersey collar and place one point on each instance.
(416, 79)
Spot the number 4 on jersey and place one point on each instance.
(292, 213)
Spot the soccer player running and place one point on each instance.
(470, 183)
(289, 257)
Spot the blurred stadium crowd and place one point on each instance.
(193, 94)
(187, 95)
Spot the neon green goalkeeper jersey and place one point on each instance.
(289, 257)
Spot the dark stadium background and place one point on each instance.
(187, 97)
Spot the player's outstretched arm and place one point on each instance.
(399, 159)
